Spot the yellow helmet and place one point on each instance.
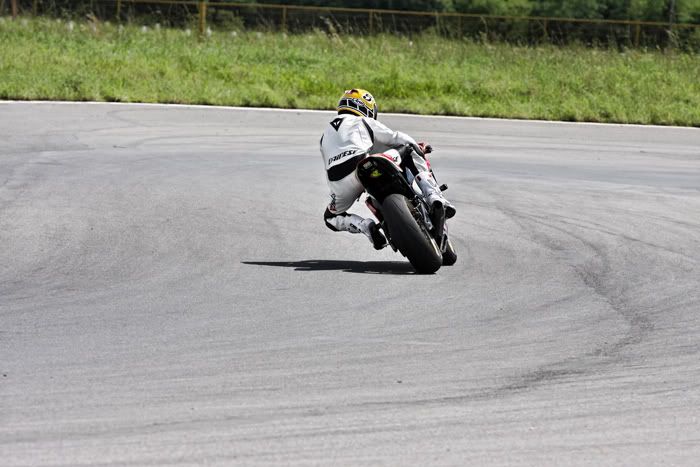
(359, 102)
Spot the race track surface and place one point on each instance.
(169, 295)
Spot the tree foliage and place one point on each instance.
(647, 10)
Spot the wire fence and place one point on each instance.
(297, 19)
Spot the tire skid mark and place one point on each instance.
(593, 274)
(592, 277)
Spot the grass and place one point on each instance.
(58, 60)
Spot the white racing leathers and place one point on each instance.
(347, 139)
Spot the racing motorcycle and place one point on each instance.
(403, 213)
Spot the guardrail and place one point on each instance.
(296, 18)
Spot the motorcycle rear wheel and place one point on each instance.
(410, 237)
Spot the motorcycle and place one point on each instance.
(403, 213)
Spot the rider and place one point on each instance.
(351, 136)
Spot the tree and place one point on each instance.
(495, 7)
(589, 9)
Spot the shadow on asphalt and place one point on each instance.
(366, 267)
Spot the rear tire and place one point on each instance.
(411, 238)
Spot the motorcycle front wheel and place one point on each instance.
(449, 256)
(410, 236)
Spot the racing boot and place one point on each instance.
(355, 224)
(371, 229)
(433, 195)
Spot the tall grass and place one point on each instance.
(49, 59)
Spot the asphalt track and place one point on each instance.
(169, 295)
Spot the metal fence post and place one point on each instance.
(35, 7)
(546, 34)
(637, 32)
(119, 11)
(371, 23)
(284, 19)
(202, 16)
(14, 8)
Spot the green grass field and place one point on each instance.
(56, 60)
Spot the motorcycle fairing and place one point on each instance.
(381, 176)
